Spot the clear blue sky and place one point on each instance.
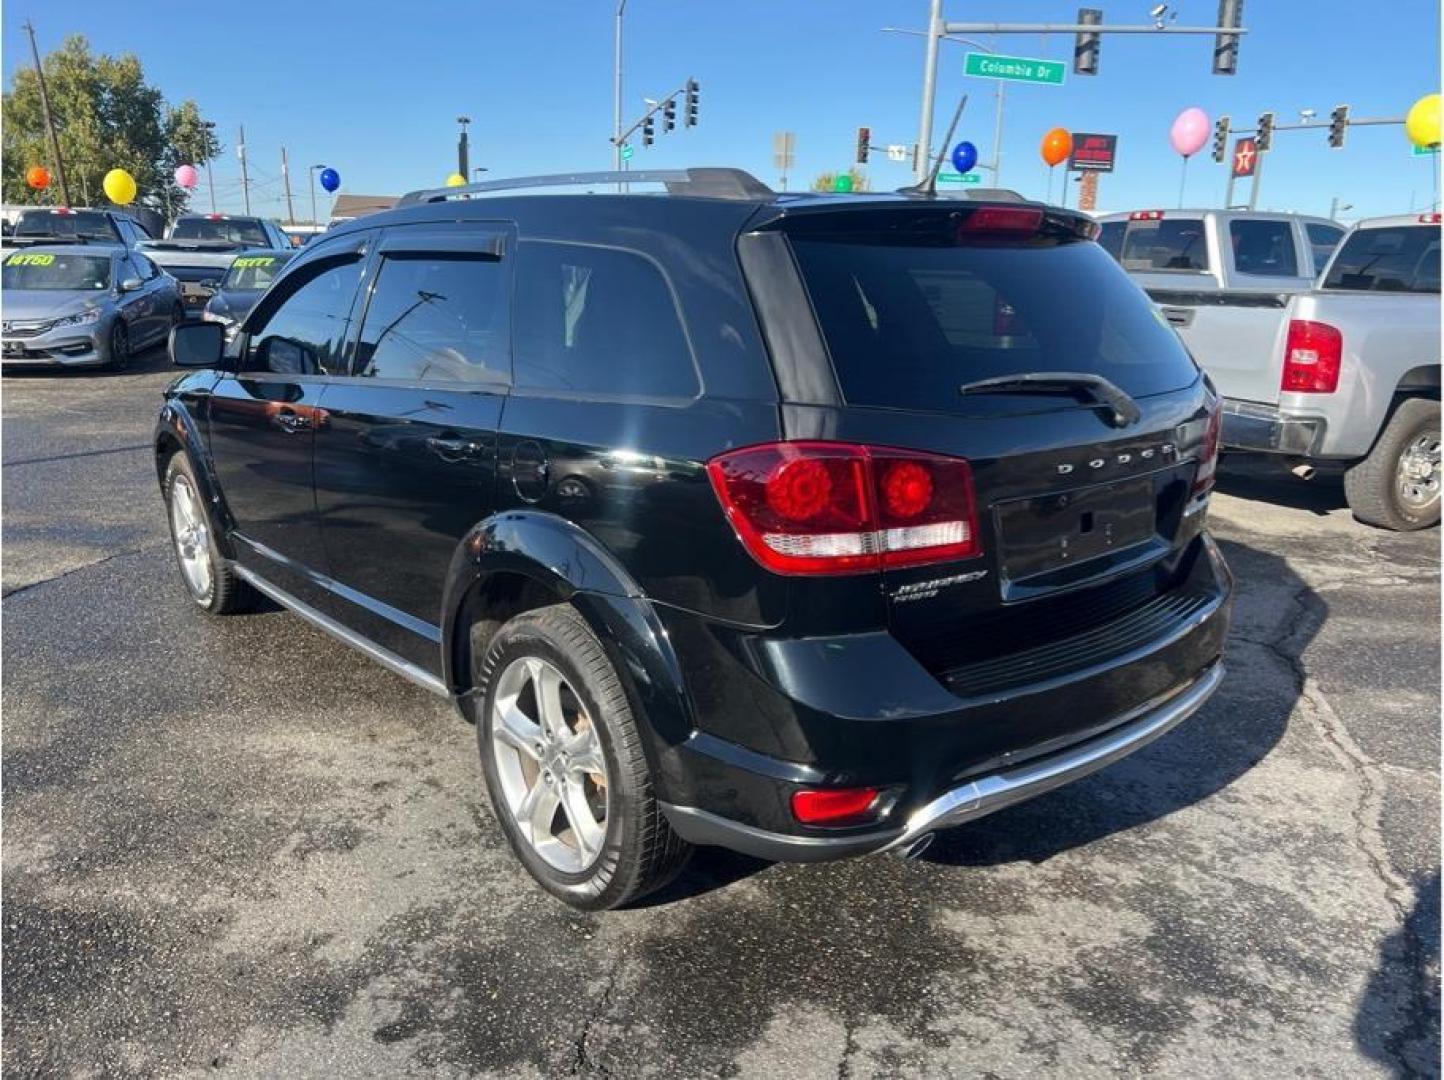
(373, 89)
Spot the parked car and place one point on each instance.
(64, 224)
(726, 517)
(1350, 375)
(83, 306)
(200, 248)
(250, 275)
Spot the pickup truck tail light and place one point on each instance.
(1312, 356)
(1207, 473)
(840, 508)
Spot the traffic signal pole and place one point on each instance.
(938, 28)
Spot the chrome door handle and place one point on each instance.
(454, 449)
(289, 421)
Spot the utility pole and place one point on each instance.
(49, 119)
(286, 176)
(245, 176)
(313, 170)
(210, 125)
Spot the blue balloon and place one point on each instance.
(965, 156)
(331, 179)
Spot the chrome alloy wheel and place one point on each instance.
(192, 535)
(1419, 476)
(550, 763)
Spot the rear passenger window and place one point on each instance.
(598, 320)
(1265, 248)
(436, 318)
(1322, 241)
(1110, 237)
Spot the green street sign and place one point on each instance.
(627, 151)
(1014, 68)
(1425, 151)
(959, 178)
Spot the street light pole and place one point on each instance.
(617, 92)
(922, 164)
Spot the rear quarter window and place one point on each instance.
(906, 326)
(1402, 258)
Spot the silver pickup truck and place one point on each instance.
(1343, 371)
(201, 247)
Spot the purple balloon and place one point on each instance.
(1190, 131)
(330, 179)
(965, 156)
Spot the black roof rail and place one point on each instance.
(713, 183)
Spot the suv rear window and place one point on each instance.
(1400, 258)
(246, 231)
(1171, 244)
(89, 224)
(907, 325)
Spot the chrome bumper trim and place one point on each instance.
(988, 794)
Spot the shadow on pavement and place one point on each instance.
(1398, 1019)
(1266, 478)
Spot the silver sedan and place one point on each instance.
(83, 305)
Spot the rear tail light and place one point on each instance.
(834, 806)
(993, 219)
(1312, 356)
(1207, 472)
(1146, 215)
(838, 508)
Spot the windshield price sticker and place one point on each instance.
(254, 260)
(31, 258)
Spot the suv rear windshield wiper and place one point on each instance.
(1125, 410)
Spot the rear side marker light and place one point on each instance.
(1313, 354)
(834, 806)
(1146, 215)
(839, 508)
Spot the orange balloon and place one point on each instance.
(1057, 145)
(38, 177)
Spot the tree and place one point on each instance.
(106, 117)
(828, 181)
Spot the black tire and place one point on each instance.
(639, 852)
(1375, 487)
(224, 593)
(119, 346)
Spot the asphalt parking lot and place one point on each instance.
(236, 845)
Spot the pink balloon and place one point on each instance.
(1190, 131)
(186, 176)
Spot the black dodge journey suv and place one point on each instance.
(801, 525)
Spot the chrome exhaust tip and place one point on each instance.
(1303, 472)
(918, 846)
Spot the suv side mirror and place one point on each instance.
(131, 284)
(196, 344)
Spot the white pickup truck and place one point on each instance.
(1344, 371)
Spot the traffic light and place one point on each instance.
(1225, 46)
(669, 114)
(1338, 125)
(1264, 139)
(1220, 139)
(864, 144)
(693, 92)
(647, 131)
(1085, 46)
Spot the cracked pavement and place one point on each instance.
(235, 845)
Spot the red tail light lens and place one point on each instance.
(990, 219)
(1207, 472)
(1312, 356)
(837, 508)
(834, 806)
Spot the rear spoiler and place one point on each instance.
(190, 245)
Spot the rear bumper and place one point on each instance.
(1248, 425)
(940, 757)
(966, 802)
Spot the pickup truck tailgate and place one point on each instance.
(1235, 336)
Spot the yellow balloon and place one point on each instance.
(119, 187)
(1422, 123)
(455, 180)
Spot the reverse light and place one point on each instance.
(839, 508)
(1313, 354)
(834, 806)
